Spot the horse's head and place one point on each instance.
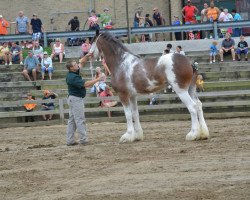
(94, 48)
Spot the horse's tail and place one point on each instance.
(192, 86)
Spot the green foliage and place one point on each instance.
(25, 51)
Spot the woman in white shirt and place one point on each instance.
(58, 50)
(47, 66)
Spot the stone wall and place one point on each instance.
(62, 10)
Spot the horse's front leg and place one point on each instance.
(136, 118)
(129, 136)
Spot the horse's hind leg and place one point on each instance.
(204, 133)
(194, 134)
(135, 114)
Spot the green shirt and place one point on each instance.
(75, 84)
(105, 19)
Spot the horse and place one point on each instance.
(132, 75)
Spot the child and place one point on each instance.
(29, 107)
(168, 49)
(179, 50)
(85, 47)
(213, 51)
(242, 48)
(200, 83)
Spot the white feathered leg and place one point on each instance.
(194, 134)
(129, 136)
(136, 118)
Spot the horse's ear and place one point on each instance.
(97, 32)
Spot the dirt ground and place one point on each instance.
(35, 163)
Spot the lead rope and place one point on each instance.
(91, 68)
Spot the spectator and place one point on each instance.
(168, 49)
(48, 106)
(200, 83)
(4, 53)
(189, 13)
(22, 24)
(242, 48)
(142, 24)
(226, 17)
(213, 51)
(148, 23)
(177, 22)
(105, 18)
(29, 107)
(227, 47)
(58, 50)
(204, 19)
(93, 21)
(74, 24)
(212, 13)
(179, 50)
(99, 86)
(158, 21)
(4, 24)
(85, 47)
(16, 54)
(137, 19)
(30, 66)
(107, 103)
(236, 17)
(37, 29)
(77, 92)
(38, 51)
(47, 66)
(105, 66)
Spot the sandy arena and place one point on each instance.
(35, 163)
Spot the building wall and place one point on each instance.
(62, 11)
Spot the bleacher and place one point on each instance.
(227, 94)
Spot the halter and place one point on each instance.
(90, 62)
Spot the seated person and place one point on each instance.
(48, 106)
(58, 50)
(38, 51)
(31, 64)
(179, 50)
(100, 85)
(227, 47)
(107, 103)
(4, 53)
(85, 47)
(29, 107)
(200, 83)
(168, 49)
(242, 48)
(47, 66)
(16, 54)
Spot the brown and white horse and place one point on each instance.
(131, 75)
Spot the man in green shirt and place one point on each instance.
(77, 91)
(105, 18)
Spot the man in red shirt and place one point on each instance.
(189, 13)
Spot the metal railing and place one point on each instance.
(142, 30)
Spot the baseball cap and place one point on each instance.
(34, 14)
(105, 9)
(30, 52)
(45, 53)
(1, 16)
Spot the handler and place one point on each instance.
(76, 92)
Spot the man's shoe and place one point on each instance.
(246, 59)
(84, 143)
(10, 63)
(21, 63)
(72, 144)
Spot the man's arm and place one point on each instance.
(92, 82)
(84, 60)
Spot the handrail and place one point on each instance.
(140, 30)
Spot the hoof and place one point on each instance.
(191, 136)
(139, 136)
(127, 138)
(204, 135)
